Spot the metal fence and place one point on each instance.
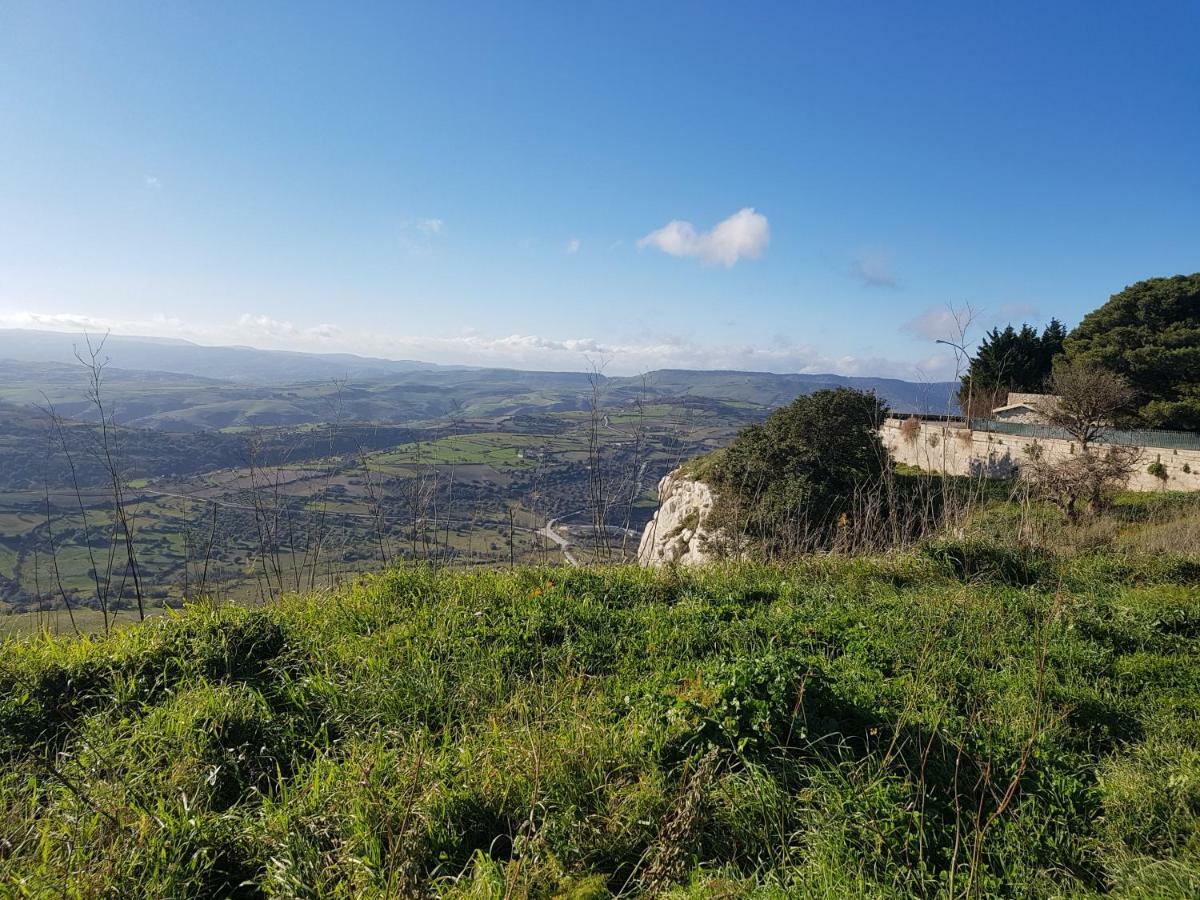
(1166, 440)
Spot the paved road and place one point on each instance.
(562, 542)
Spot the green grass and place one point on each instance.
(962, 721)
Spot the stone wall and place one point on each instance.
(957, 450)
(1021, 414)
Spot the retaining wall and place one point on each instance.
(957, 450)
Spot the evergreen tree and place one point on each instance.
(1009, 360)
(1150, 333)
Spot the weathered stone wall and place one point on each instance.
(957, 450)
(1026, 416)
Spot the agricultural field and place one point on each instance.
(285, 509)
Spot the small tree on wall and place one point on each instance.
(1086, 400)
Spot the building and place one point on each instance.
(1024, 408)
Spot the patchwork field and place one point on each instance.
(296, 508)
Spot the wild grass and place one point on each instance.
(959, 721)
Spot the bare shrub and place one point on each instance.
(1085, 400)
(1085, 477)
(910, 428)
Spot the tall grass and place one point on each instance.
(952, 722)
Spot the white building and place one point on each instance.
(1025, 408)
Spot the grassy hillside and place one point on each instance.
(960, 721)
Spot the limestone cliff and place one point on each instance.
(676, 535)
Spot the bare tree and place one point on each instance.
(958, 339)
(107, 452)
(1084, 476)
(1085, 400)
(598, 499)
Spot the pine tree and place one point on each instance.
(1009, 360)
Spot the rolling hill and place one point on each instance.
(175, 385)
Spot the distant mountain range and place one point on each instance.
(185, 358)
(176, 385)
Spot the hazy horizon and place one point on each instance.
(600, 361)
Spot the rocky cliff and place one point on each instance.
(677, 535)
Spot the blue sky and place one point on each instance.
(495, 183)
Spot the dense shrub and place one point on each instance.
(787, 482)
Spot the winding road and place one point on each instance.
(563, 544)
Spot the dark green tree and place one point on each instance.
(1009, 360)
(1050, 345)
(1150, 333)
(785, 483)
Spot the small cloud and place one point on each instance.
(933, 324)
(152, 182)
(572, 246)
(874, 270)
(615, 244)
(324, 332)
(53, 321)
(745, 234)
(266, 326)
(429, 226)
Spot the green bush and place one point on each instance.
(786, 483)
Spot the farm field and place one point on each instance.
(286, 514)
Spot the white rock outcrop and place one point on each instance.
(676, 535)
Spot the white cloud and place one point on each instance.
(324, 331)
(152, 182)
(744, 235)
(429, 226)
(53, 321)
(265, 326)
(874, 270)
(572, 246)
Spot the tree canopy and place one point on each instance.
(1009, 360)
(790, 478)
(1150, 333)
